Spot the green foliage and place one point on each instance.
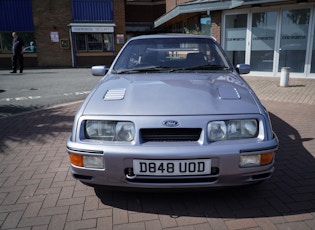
(193, 31)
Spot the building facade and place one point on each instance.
(140, 16)
(73, 33)
(268, 35)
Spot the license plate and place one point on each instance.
(172, 167)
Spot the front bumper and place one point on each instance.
(225, 159)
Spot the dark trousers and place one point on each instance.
(17, 59)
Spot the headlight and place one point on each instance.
(125, 131)
(109, 130)
(232, 129)
(217, 130)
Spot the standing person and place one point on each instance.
(17, 49)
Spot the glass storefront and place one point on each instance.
(205, 23)
(313, 49)
(269, 39)
(293, 39)
(263, 41)
(27, 37)
(235, 37)
(94, 42)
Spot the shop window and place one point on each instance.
(205, 23)
(235, 37)
(27, 37)
(313, 56)
(80, 42)
(263, 41)
(294, 32)
(96, 42)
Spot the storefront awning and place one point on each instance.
(206, 5)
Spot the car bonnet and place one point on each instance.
(171, 94)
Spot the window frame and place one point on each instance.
(109, 37)
(6, 41)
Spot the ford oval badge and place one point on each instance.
(170, 123)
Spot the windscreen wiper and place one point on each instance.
(144, 69)
(207, 67)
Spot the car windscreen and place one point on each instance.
(171, 54)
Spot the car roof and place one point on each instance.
(172, 35)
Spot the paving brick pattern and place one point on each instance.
(298, 90)
(38, 192)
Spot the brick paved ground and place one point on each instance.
(37, 191)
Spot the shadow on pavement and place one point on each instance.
(34, 129)
(289, 192)
(7, 110)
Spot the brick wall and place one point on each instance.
(171, 4)
(55, 16)
(48, 16)
(216, 25)
(119, 18)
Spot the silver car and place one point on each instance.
(172, 112)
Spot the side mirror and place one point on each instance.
(99, 70)
(243, 68)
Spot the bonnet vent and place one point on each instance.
(114, 94)
(227, 92)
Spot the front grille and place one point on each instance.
(168, 135)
